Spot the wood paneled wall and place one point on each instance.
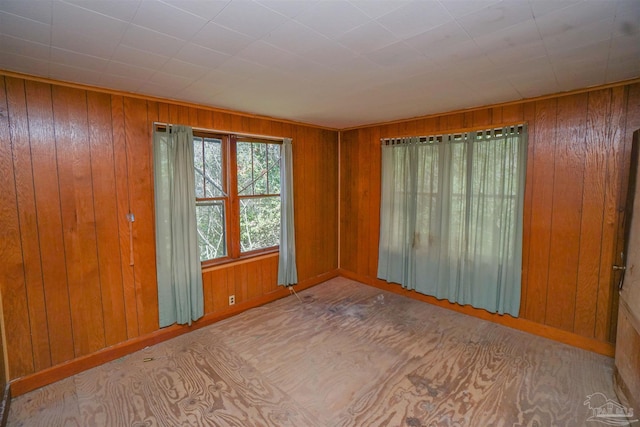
(577, 158)
(73, 164)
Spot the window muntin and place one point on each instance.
(258, 178)
(210, 169)
(237, 195)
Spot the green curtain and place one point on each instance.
(287, 272)
(179, 274)
(451, 216)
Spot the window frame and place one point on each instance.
(232, 199)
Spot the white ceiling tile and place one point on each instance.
(521, 34)
(171, 82)
(297, 38)
(334, 55)
(241, 67)
(543, 7)
(626, 47)
(125, 84)
(128, 70)
(249, 18)
(23, 47)
(367, 38)
(221, 39)
(74, 59)
(223, 78)
(142, 58)
(575, 16)
(159, 16)
(622, 69)
(85, 43)
(124, 10)
(376, 9)
(439, 40)
(35, 10)
(69, 73)
(288, 8)
(458, 8)
(25, 64)
(627, 21)
(292, 70)
(397, 55)
(415, 18)
(79, 20)
(206, 9)
(332, 19)
(517, 53)
(495, 17)
(24, 28)
(201, 55)
(184, 69)
(152, 41)
(159, 90)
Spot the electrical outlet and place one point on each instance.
(232, 299)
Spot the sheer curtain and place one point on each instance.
(451, 216)
(287, 272)
(180, 294)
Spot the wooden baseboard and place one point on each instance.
(524, 325)
(36, 380)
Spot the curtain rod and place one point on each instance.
(246, 135)
(439, 136)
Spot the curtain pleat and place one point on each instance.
(179, 274)
(451, 217)
(287, 272)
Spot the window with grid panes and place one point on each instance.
(237, 195)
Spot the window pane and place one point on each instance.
(258, 168)
(214, 172)
(259, 223)
(198, 166)
(212, 238)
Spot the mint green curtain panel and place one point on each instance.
(287, 272)
(179, 274)
(451, 216)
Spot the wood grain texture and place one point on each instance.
(106, 217)
(17, 184)
(346, 355)
(564, 249)
(82, 277)
(575, 171)
(78, 219)
(50, 229)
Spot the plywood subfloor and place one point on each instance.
(347, 355)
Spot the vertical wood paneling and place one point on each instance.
(542, 198)
(78, 219)
(12, 275)
(139, 153)
(592, 213)
(106, 213)
(572, 185)
(50, 230)
(565, 220)
(607, 291)
(74, 164)
(121, 166)
(529, 116)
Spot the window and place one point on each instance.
(237, 195)
(451, 216)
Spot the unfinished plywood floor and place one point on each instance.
(347, 355)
